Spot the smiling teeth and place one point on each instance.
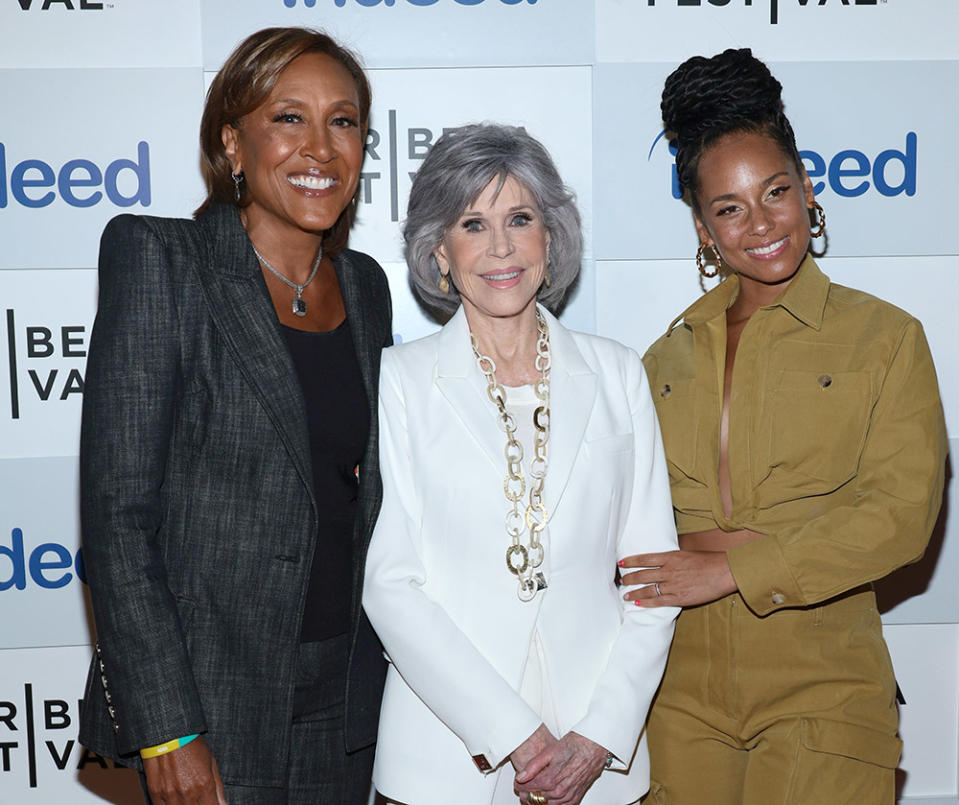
(495, 277)
(768, 249)
(311, 182)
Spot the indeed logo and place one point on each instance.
(125, 181)
(372, 3)
(849, 172)
(48, 565)
(46, 5)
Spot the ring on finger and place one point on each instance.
(536, 798)
(656, 586)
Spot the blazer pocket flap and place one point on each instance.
(852, 741)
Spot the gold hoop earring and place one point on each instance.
(444, 284)
(701, 261)
(818, 232)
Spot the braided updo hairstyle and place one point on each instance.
(706, 99)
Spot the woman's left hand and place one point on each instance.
(678, 578)
(563, 772)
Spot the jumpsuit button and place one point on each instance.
(665, 391)
(779, 598)
(825, 381)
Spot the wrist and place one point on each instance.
(167, 747)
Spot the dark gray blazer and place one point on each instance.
(197, 503)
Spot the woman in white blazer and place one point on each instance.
(520, 463)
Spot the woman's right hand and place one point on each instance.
(531, 747)
(185, 776)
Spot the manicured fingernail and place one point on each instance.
(638, 602)
(621, 563)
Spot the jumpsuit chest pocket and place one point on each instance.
(675, 402)
(817, 422)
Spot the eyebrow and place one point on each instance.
(301, 102)
(477, 213)
(765, 183)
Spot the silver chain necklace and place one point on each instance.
(299, 303)
(523, 560)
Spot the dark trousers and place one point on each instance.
(319, 770)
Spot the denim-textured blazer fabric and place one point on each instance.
(198, 515)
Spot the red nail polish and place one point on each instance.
(621, 563)
(638, 602)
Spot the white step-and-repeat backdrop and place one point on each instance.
(101, 102)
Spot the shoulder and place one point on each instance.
(409, 356)
(146, 231)
(602, 353)
(362, 265)
(850, 302)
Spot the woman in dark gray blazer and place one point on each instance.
(229, 477)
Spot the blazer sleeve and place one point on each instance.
(898, 491)
(431, 653)
(132, 383)
(622, 696)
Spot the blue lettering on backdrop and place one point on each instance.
(26, 178)
(42, 564)
(843, 170)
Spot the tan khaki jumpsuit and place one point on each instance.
(783, 693)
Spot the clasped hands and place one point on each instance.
(561, 770)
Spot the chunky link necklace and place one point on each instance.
(523, 560)
(299, 303)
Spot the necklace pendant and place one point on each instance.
(299, 306)
(528, 587)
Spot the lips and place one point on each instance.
(772, 248)
(501, 276)
(309, 182)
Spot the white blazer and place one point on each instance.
(439, 593)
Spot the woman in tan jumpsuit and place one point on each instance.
(806, 445)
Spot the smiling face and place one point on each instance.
(496, 252)
(753, 206)
(301, 150)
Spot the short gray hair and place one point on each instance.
(455, 172)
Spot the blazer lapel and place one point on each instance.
(240, 305)
(367, 350)
(572, 391)
(464, 387)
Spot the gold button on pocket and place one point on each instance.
(825, 381)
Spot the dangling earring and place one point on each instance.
(547, 265)
(237, 181)
(701, 261)
(822, 220)
(444, 283)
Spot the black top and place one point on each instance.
(338, 420)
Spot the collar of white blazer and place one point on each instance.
(572, 391)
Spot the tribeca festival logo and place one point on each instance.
(35, 734)
(78, 182)
(384, 149)
(773, 4)
(848, 173)
(421, 3)
(45, 362)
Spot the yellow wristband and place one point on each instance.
(169, 746)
